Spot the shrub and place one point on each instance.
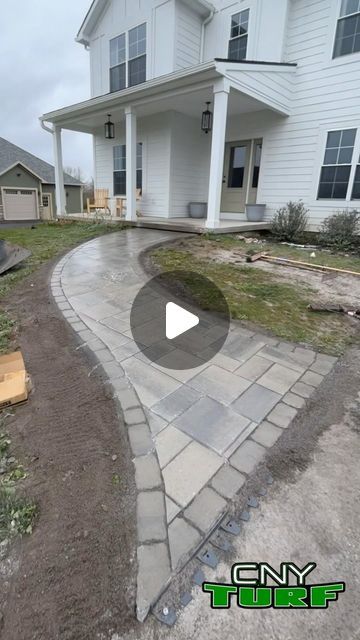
(341, 231)
(290, 222)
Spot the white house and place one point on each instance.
(283, 80)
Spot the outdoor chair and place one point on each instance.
(121, 204)
(101, 201)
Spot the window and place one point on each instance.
(347, 39)
(128, 59)
(120, 169)
(118, 63)
(239, 35)
(335, 173)
(356, 189)
(237, 167)
(257, 162)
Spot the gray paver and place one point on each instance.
(323, 365)
(311, 378)
(219, 384)
(241, 348)
(134, 416)
(147, 472)
(227, 482)
(282, 415)
(253, 368)
(113, 370)
(151, 384)
(153, 574)
(202, 421)
(169, 443)
(287, 359)
(303, 390)
(266, 434)
(183, 538)
(206, 509)
(156, 423)
(128, 399)
(176, 403)
(247, 457)
(151, 516)
(140, 440)
(189, 472)
(279, 378)
(294, 401)
(256, 403)
(172, 509)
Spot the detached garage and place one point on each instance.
(27, 186)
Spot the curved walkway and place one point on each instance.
(195, 434)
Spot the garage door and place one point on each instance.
(20, 204)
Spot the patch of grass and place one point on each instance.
(324, 258)
(45, 241)
(257, 297)
(17, 514)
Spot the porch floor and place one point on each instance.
(189, 225)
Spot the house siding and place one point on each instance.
(188, 37)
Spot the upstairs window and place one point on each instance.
(120, 168)
(239, 35)
(118, 63)
(137, 55)
(336, 170)
(356, 189)
(128, 59)
(347, 39)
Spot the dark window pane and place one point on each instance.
(349, 26)
(255, 180)
(325, 190)
(117, 50)
(334, 138)
(118, 78)
(331, 156)
(119, 183)
(137, 71)
(345, 155)
(238, 157)
(340, 190)
(236, 178)
(137, 41)
(238, 48)
(349, 6)
(348, 138)
(139, 179)
(139, 155)
(328, 174)
(356, 191)
(342, 174)
(120, 157)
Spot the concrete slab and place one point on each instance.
(248, 456)
(256, 403)
(183, 538)
(206, 510)
(219, 384)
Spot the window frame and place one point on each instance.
(128, 60)
(139, 167)
(354, 163)
(342, 18)
(240, 36)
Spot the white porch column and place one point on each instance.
(221, 98)
(131, 140)
(59, 173)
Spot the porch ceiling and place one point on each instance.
(254, 87)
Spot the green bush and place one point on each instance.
(341, 230)
(290, 222)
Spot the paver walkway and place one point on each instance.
(195, 434)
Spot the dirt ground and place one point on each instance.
(331, 288)
(74, 578)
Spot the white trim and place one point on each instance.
(333, 23)
(20, 189)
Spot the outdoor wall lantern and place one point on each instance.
(109, 129)
(207, 119)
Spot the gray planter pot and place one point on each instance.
(198, 209)
(255, 212)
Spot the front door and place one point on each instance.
(241, 169)
(47, 206)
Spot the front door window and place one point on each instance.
(237, 167)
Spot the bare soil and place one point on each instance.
(330, 287)
(74, 578)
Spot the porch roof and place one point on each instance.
(265, 84)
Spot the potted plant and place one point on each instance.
(255, 212)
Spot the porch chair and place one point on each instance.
(121, 204)
(101, 201)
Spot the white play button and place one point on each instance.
(179, 321)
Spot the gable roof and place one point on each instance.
(11, 155)
(97, 7)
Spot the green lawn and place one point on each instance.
(45, 241)
(258, 297)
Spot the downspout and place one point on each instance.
(203, 26)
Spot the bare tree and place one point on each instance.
(76, 173)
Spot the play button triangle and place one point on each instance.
(178, 321)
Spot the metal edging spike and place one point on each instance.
(209, 558)
(230, 526)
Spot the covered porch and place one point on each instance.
(158, 144)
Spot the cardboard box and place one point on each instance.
(13, 380)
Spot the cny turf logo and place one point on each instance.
(250, 588)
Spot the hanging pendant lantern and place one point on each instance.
(207, 119)
(109, 129)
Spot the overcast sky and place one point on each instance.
(42, 68)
